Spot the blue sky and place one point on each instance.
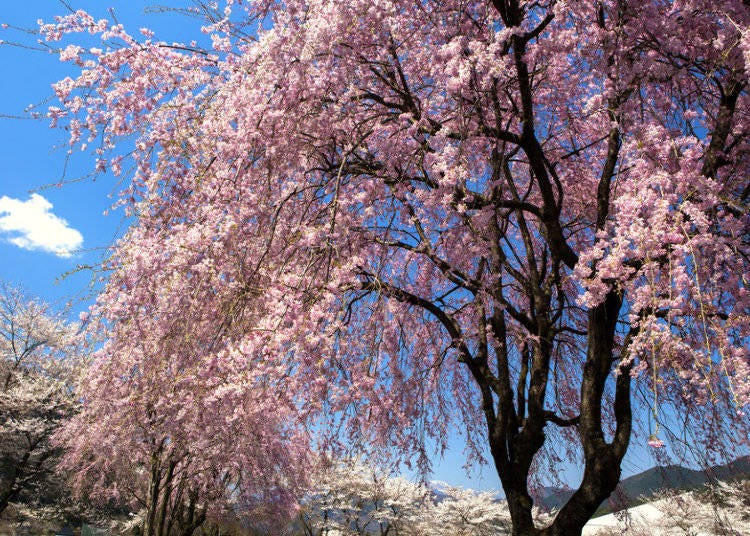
(47, 230)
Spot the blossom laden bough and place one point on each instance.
(409, 215)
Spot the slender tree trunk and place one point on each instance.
(152, 502)
(6, 495)
(177, 507)
(194, 516)
(10, 489)
(161, 520)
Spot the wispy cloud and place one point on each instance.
(32, 225)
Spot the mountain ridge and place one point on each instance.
(631, 491)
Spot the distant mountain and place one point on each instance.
(552, 498)
(442, 490)
(630, 491)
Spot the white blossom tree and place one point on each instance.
(465, 512)
(354, 499)
(721, 510)
(38, 363)
(351, 498)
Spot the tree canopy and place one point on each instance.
(377, 223)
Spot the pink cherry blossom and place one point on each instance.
(385, 223)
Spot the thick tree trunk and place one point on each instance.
(519, 505)
(513, 449)
(602, 459)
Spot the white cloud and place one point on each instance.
(31, 225)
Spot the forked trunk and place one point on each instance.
(513, 449)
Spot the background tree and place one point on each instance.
(39, 360)
(720, 509)
(351, 498)
(505, 214)
(465, 512)
(179, 422)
